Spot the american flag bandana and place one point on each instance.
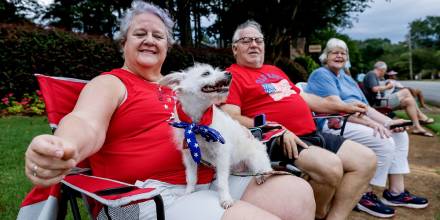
(192, 129)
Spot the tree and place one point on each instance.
(284, 20)
(97, 17)
(19, 11)
(426, 32)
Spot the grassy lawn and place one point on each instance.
(16, 134)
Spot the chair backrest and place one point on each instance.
(60, 95)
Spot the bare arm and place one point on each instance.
(80, 133)
(380, 88)
(85, 127)
(235, 112)
(331, 104)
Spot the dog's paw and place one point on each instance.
(261, 179)
(227, 203)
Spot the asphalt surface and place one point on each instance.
(430, 90)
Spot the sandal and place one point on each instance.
(422, 133)
(427, 121)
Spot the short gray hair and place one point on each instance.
(380, 65)
(140, 7)
(248, 23)
(331, 45)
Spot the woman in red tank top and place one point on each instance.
(120, 124)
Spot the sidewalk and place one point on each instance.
(424, 179)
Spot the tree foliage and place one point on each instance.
(426, 32)
(282, 20)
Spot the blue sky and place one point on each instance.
(390, 19)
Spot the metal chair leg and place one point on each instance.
(160, 210)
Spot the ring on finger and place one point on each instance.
(34, 170)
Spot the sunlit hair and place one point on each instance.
(140, 7)
(380, 65)
(248, 23)
(332, 44)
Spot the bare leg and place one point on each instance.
(245, 211)
(325, 170)
(410, 106)
(287, 197)
(396, 183)
(359, 164)
(418, 94)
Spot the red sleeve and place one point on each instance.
(235, 90)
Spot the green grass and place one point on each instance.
(16, 133)
(435, 127)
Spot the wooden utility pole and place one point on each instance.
(410, 56)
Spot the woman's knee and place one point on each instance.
(283, 195)
(368, 161)
(358, 157)
(301, 195)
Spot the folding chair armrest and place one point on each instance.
(343, 116)
(113, 193)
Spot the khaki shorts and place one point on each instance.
(392, 101)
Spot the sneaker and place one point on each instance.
(370, 204)
(404, 199)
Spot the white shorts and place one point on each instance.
(200, 205)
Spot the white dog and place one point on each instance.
(198, 89)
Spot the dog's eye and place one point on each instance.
(206, 73)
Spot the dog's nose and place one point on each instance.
(228, 75)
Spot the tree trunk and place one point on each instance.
(183, 22)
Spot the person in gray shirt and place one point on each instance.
(401, 99)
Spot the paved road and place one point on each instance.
(431, 90)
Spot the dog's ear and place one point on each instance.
(172, 80)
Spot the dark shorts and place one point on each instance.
(327, 141)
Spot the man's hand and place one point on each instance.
(291, 142)
(48, 159)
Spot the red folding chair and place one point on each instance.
(60, 95)
(335, 121)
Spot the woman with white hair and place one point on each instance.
(373, 130)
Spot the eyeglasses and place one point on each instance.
(248, 40)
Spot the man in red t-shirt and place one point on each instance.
(341, 169)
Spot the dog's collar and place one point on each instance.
(205, 120)
(191, 129)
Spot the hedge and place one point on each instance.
(27, 49)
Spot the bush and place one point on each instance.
(307, 63)
(28, 49)
(294, 71)
(28, 105)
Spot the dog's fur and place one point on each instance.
(198, 88)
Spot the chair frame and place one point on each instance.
(68, 194)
